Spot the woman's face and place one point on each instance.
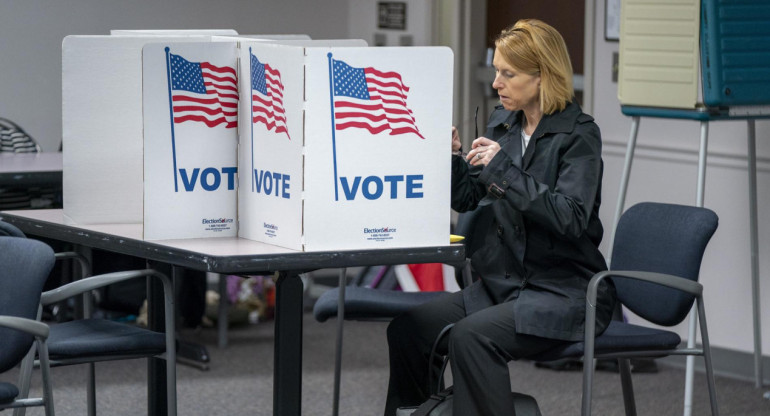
(517, 90)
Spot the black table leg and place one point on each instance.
(187, 352)
(156, 367)
(287, 373)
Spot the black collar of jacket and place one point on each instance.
(502, 117)
(560, 122)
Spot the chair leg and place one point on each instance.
(91, 389)
(170, 326)
(337, 373)
(222, 312)
(626, 382)
(25, 375)
(45, 371)
(707, 358)
(589, 363)
(171, 383)
(588, 376)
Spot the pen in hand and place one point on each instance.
(476, 132)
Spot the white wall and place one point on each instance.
(665, 169)
(362, 19)
(31, 32)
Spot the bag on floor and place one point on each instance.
(440, 404)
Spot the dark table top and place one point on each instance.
(226, 255)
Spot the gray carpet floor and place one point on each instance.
(239, 380)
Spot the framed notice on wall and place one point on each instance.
(391, 15)
(612, 20)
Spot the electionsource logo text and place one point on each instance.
(216, 220)
(380, 234)
(379, 230)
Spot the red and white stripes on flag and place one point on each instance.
(371, 99)
(202, 92)
(267, 97)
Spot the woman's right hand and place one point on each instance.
(483, 151)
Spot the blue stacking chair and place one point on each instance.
(88, 341)
(656, 261)
(24, 268)
(655, 265)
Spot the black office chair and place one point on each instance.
(87, 341)
(24, 268)
(656, 261)
(366, 303)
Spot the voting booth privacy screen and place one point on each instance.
(694, 53)
(271, 156)
(102, 126)
(309, 145)
(355, 156)
(102, 121)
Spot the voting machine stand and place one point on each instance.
(704, 61)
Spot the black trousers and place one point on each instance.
(479, 345)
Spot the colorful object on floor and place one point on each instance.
(426, 277)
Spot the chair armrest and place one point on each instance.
(85, 265)
(29, 326)
(94, 282)
(668, 280)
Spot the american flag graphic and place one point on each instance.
(267, 97)
(203, 92)
(370, 99)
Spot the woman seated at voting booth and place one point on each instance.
(536, 175)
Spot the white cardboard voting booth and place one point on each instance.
(358, 157)
(272, 139)
(173, 32)
(380, 127)
(311, 145)
(190, 96)
(102, 126)
(103, 122)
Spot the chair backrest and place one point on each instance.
(14, 139)
(9, 230)
(660, 238)
(24, 268)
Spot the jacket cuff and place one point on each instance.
(498, 175)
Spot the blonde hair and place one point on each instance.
(535, 48)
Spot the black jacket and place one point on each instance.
(538, 233)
